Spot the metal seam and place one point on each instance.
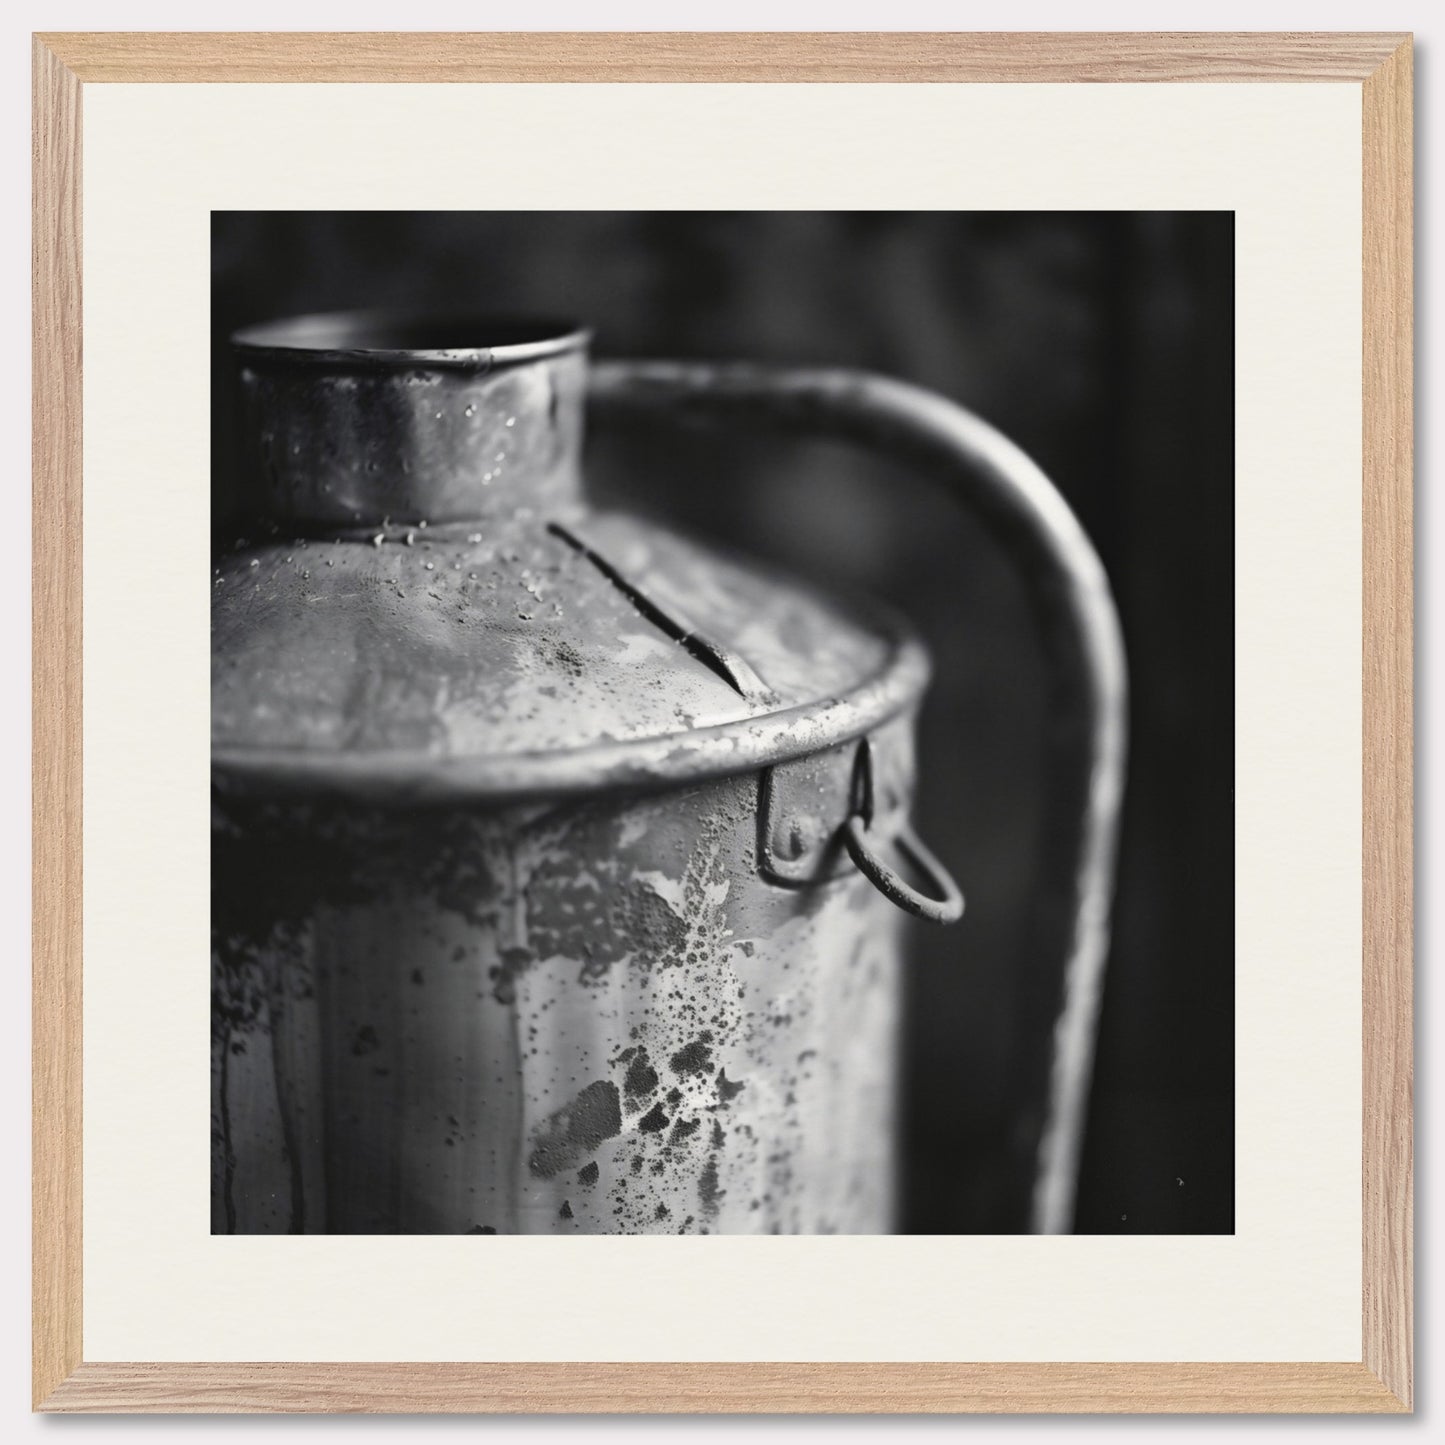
(733, 669)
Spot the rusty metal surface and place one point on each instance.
(1078, 623)
(487, 956)
(592, 1016)
(657, 899)
(450, 621)
(355, 418)
(503, 663)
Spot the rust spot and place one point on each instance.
(576, 1130)
(693, 1058)
(641, 1077)
(708, 1192)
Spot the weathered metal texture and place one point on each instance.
(1079, 626)
(358, 418)
(531, 824)
(588, 1016)
(427, 610)
(501, 936)
(497, 660)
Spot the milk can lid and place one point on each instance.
(434, 612)
(434, 664)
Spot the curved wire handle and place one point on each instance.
(1075, 613)
(944, 904)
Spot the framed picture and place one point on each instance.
(997, 468)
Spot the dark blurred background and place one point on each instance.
(1101, 343)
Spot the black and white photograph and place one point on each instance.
(722, 723)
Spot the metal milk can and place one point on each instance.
(559, 863)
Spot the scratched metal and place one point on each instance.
(501, 647)
(360, 417)
(497, 944)
(587, 1018)
(426, 607)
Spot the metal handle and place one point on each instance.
(1069, 592)
(945, 909)
(946, 904)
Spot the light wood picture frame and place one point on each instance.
(1380, 67)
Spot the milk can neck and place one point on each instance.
(362, 419)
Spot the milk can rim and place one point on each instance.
(410, 779)
(370, 339)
